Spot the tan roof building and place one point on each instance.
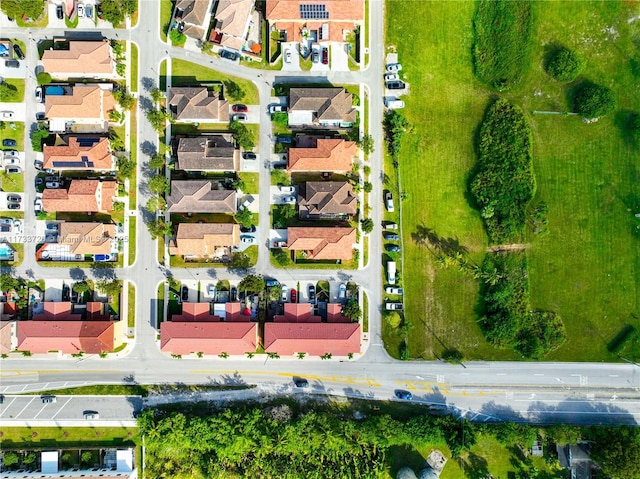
(79, 153)
(7, 335)
(87, 238)
(231, 22)
(330, 19)
(319, 200)
(86, 105)
(208, 153)
(199, 196)
(324, 107)
(197, 104)
(86, 59)
(195, 15)
(82, 196)
(204, 239)
(328, 155)
(323, 243)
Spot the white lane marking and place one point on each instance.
(59, 410)
(18, 415)
(614, 376)
(501, 374)
(538, 374)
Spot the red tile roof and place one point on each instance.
(234, 312)
(72, 156)
(297, 313)
(323, 243)
(328, 155)
(338, 10)
(91, 337)
(195, 312)
(334, 314)
(57, 311)
(315, 339)
(82, 196)
(208, 338)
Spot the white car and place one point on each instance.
(285, 292)
(52, 184)
(287, 189)
(391, 77)
(80, 10)
(6, 114)
(289, 200)
(247, 239)
(39, 95)
(211, 290)
(276, 108)
(388, 200)
(393, 306)
(342, 291)
(17, 226)
(392, 290)
(11, 160)
(394, 67)
(287, 56)
(37, 205)
(10, 153)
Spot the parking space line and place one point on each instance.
(60, 410)
(8, 405)
(28, 404)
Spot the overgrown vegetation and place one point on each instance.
(502, 48)
(115, 11)
(242, 135)
(23, 8)
(395, 126)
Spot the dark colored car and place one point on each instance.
(13, 206)
(395, 85)
(48, 398)
(249, 155)
(184, 293)
(325, 56)
(14, 198)
(12, 63)
(59, 12)
(315, 56)
(99, 10)
(251, 229)
(74, 296)
(390, 236)
(392, 248)
(301, 382)
(9, 142)
(18, 51)
(312, 293)
(402, 394)
(234, 293)
(240, 108)
(65, 292)
(228, 55)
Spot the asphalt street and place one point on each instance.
(538, 392)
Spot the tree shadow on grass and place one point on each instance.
(473, 466)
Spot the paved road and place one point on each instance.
(580, 392)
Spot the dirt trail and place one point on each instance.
(507, 247)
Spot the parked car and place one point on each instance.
(40, 116)
(18, 51)
(240, 108)
(289, 200)
(184, 293)
(287, 189)
(88, 12)
(229, 55)
(37, 205)
(80, 10)
(390, 236)
(395, 85)
(14, 198)
(91, 414)
(394, 67)
(239, 117)
(325, 56)
(211, 291)
(9, 142)
(392, 290)
(48, 398)
(312, 293)
(388, 201)
(52, 184)
(8, 153)
(6, 113)
(287, 56)
(392, 248)
(13, 206)
(12, 170)
(6, 221)
(52, 227)
(65, 292)
(315, 55)
(251, 229)
(402, 394)
(301, 382)
(234, 293)
(39, 95)
(342, 291)
(99, 10)
(59, 12)
(11, 160)
(12, 63)
(284, 293)
(38, 165)
(249, 155)
(75, 297)
(393, 306)
(391, 77)
(391, 226)
(276, 108)
(294, 296)
(247, 239)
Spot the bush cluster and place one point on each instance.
(564, 65)
(594, 101)
(395, 125)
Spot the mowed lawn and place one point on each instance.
(588, 268)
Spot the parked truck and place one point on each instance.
(391, 272)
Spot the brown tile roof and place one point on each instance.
(297, 313)
(6, 335)
(202, 239)
(57, 311)
(211, 153)
(327, 103)
(195, 312)
(197, 103)
(338, 10)
(328, 155)
(194, 13)
(315, 339)
(198, 196)
(231, 20)
(207, 337)
(326, 198)
(91, 337)
(86, 102)
(80, 153)
(334, 314)
(82, 196)
(323, 243)
(87, 238)
(81, 59)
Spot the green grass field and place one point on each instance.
(587, 268)
(134, 68)
(14, 133)
(26, 437)
(18, 94)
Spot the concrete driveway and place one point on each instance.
(319, 66)
(339, 58)
(53, 290)
(278, 195)
(54, 22)
(192, 284)
(294, 65)
(3, 201)
(18, 110)
(20, 72)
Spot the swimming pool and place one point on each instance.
(6, 253)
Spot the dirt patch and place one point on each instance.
(508, 247)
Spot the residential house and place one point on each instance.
(197, 105)
(321, 20)
(334, 314)
(208, 153)
(326, 200)
(200, 196)
(231, 23)
(69, 337)
(328, 155)
(196, 312)
(322, 243)
(79, 153)
(195, 17)
(205, 240)
(313, 338)
(208, 337)
(89, 196)
(321, 107)
(86, 109)
(576, 458)
(76, 240)
(297, 313)
(82, 59)
(7, 331)
(67, 311)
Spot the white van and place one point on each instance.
(394, 104)
(391, 272)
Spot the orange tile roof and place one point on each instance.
(202, 239)
(328, 155)
(87, 238)
(195, 312)
(297, 313)
(234, 312)
(315, 339)
(334, 314)
(91, 337)
(72, 156)
(207, 337)
(95, 311)
(82, 196)
(338, 10)
(323, 243)
(57, 311)
(90, 58)
(87, 102)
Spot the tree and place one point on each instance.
(368, 187)
(125, 100)
(157, 161)
(352, 310)
(86, 457)
(594, 101)
(157, 95)
(159, 184)
(81, 287)
(115, 116)
(156, 203)
(634, 126)
(242, 135)
(393, 319)
(244, 217)
(240, 261)
(116, 143)
(282, 257)
(44, 78)
(9, 459)
(118, 206)
(8, 282)
(23, 8)
(366, 144)
(157, 118)
(7, 91)
(366, 225)
(111, 288)
(233, 90)
(158, 228)
(126, 167)
(115, 11)
(37, 137)
(617, 451)
(29, 458)
(177, 38)
(564, 65)
(395, 125)
(281, 119)
(254, 283)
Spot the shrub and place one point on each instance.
(43, 78)
(280, 119)
(564, 65)
(242, 135)
(395, 125)
(177, 38)
(7, 91)
(594, 101)
(37, 137)
(233, 90)
(393, 319)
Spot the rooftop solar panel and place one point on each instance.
(313, 11)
